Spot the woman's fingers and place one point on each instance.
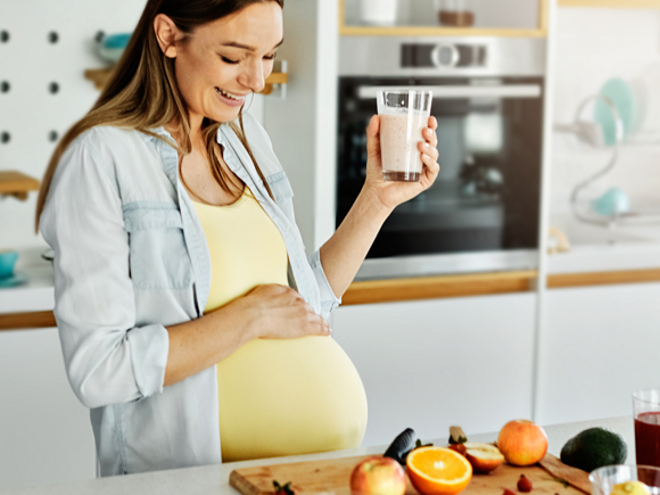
(431, 163)
(373, 137)
(428, 149)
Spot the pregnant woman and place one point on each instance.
(192, 324)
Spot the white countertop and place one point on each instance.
(601, 249)
(214, 479)
(593, 249)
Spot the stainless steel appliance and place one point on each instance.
(482, 214)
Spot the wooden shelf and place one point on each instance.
(17, 184)
(620, 4)
(25, 321)
(100, 76)
(589, 279)
(541, 31)
(409, 289)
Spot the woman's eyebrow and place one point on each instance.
(246, 47)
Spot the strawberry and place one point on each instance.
(458, 447)
(283, 489)
(508, 492)
(524, 484)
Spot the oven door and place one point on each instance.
(482, 211)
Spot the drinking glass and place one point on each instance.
(604, 478)
(403, 116)
(646, 412)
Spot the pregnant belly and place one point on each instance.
(288, 397)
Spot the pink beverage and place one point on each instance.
(403, 115)
(647, 438)
(399, 135)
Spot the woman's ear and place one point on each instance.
(167, 35)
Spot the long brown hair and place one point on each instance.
(142, 93)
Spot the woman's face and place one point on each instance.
(220, 63)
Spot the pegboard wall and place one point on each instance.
(45, 47)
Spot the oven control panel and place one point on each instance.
(443, 55)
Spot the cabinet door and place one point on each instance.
(45, 432)
(432, 364)
(598, 345)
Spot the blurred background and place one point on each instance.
(525, 283)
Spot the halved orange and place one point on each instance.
(438, 470)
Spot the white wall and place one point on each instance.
(29, 112)
(592, 46)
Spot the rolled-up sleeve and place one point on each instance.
(329, 301)
(108, 358)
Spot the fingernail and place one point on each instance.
(426, 146)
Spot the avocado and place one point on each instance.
(593, 448)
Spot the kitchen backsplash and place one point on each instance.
(592, 46)
(47, 91)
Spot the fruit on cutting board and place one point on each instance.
(401, 446)
(630, 488)
(438, 471)
(594, 448)
(522, 442)
(484, 457)
(524, 484)
(378, 475)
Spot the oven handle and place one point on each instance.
(461, 91)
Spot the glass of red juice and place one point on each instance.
(646, 411)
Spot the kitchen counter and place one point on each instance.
(214, 479)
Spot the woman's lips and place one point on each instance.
(229, 101)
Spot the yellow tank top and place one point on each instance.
(276, 397)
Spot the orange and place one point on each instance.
(438, 470)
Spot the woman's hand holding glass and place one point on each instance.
(278, 312)
(390, 194)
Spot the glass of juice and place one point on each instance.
(646, 411)
(612, 480)
(403, 116)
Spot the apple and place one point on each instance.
(484, 457)
(522, 442)
(378, 475)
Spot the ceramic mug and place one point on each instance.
(8, 259)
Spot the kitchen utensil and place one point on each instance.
(378, 12)
(620, 94)
(455, 13)
(13, 280)
(8, 259)
(333, 476)
(603, 479)
(111, 47)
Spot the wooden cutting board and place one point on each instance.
(333, 476)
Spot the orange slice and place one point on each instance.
(438, 470)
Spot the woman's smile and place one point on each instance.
(230, 99)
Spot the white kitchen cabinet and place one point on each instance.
(598, 345)
(436, 363)
(45, 432)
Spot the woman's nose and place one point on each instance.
(253, 77)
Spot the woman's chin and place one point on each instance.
(225, 116)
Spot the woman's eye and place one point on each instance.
(228, 61)
(270, 57)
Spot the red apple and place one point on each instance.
(522, 442)
(378, 475)
(484, 457)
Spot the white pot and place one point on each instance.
(378, 12)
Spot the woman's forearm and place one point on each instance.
(197, 345)
(344, 252)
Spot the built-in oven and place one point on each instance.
(482, 213)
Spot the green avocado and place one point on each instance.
(593, 448)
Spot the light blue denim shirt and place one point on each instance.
(131, 258)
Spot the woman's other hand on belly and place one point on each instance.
(279, 312)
